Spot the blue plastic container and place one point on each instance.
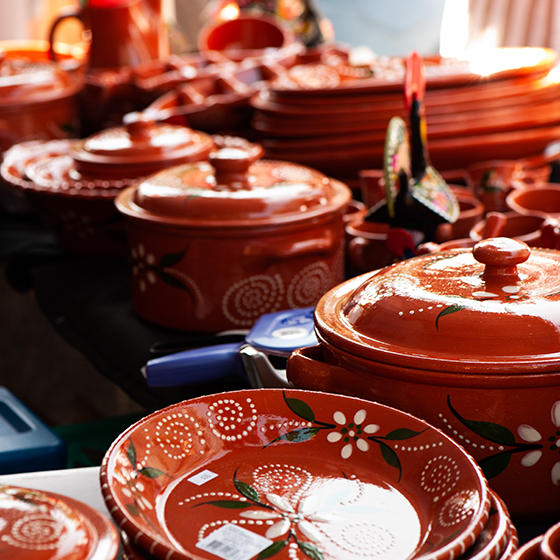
(26, 443)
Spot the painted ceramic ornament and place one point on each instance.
(292, 474)
(417, 198)
(466, 339)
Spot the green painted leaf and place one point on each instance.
(310, 550)
(491, 431)
(297, 436)
(150, 472)
(131, 453)
(302, 409)
(402, 433)
(271, 550)
(448, 310)
(227, 504)
(495, 464)
(488, 430)
(132, 509)
(171, 259)
(245, 489)
(391, 458)
(172, 281)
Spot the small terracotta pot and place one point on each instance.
(217, 244)
(38, 98)
(524, 227)
(247, 36)
(550, 544)
(471, 211)
(492, 181)
(367, 246)
(543, 200)
(530, 550)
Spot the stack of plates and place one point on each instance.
(297, 475)
(38, 525)
(333, 116)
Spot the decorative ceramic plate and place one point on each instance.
(38, 525)
(292, 474)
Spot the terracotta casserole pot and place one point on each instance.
(73, 185)
(38, 98)
(216, 244)
(466, 339)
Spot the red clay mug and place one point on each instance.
(123, 32)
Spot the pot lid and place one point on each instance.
(140, 147)
(491, 309)
(234, 188)
(24, 80)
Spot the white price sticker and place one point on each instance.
(232, 542)
(202, 477)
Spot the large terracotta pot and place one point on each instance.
(38, 98)
(217, 244)
(466, 339)
(72, 184)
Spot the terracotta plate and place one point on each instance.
(292, 474)
(45, 526)
(495, 64)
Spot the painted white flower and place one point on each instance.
(304, 518)
(529, 434)
(133, 488)
(80, 226)
(352, 432)
(142, 266)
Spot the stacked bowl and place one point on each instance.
(298, 474)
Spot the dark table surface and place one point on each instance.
(87, 301)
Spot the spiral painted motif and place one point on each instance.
(38, 531)
(459, 507)
(309, 285)
(248, 299)
(230, 419)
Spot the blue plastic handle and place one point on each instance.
(194, 366)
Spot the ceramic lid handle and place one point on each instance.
(231, 165)
(138, 125)
(500, 255)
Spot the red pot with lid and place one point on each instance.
(38, 98)
(466, 339)
(74, 189)
(216, 244)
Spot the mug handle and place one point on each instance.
(69, 12)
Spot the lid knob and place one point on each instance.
(138, 125)
(232, 159)
(501, 255)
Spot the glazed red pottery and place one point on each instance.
(73, 184)
(294, 474)
(543, 200)
(217, 244)
(38, 98)
(466, 339)
(550, 544)
(125, 33)
(246, 36)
